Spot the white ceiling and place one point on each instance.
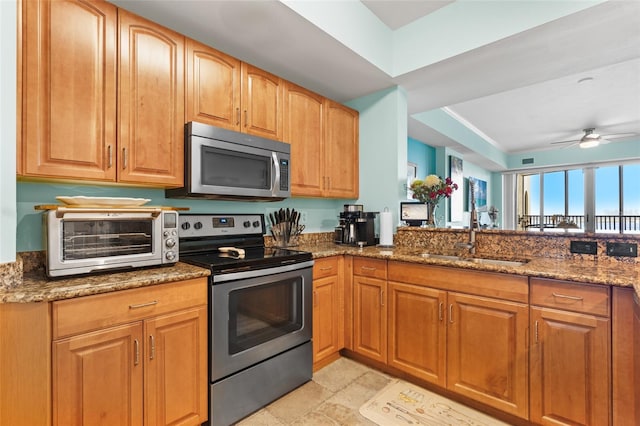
(519, 93)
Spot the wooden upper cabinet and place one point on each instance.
(341, 151)
(213, 87)
(304, 125)
(69, 89)
(151, 103)
(262, 102)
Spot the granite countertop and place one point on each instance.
(585, 271)
(36, 287)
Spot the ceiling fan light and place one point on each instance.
(589, 142)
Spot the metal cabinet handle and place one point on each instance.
(451, 313)
(237, 115)
(536, 331)
(136, 350)
(440, 311)
(564, 296)
(246, 118)
(152, 343)
(381, 297)
(109, 157)
(124, 158)
(142, 305)
(315, 299)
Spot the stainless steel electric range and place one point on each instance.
(260, 302)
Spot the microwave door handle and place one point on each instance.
(276, 167)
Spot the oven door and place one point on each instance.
(258, 314)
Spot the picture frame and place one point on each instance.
(480, 194)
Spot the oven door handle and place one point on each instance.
(233, 276)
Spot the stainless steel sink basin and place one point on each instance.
(481, 260)
(440, 256)
(496, 262)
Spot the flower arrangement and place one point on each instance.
(432, 189)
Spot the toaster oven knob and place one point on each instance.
(185, 225)
(170, 243)
(170, 255)
(197, 225)
(256, 224)
(247, 224)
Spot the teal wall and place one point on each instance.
(423, 155)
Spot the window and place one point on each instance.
(593, 199)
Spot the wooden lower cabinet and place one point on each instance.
(151, 371)
(570, 353)
(418, 331)
(470, 344)
(370, 308)
(328, 310)
(626, 357)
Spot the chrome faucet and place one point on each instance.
(473, 222)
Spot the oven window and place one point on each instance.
(90, 239)
(265, 312)
(234, 169)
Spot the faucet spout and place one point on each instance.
(473, 222)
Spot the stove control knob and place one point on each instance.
(197, 225)
(170, 256)
(247, 224)
(170, 243)
(256, 224)
(166, 233)
(185, 225)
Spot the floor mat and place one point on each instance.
(402, 403)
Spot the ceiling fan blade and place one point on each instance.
(618, 135)
(569, 141)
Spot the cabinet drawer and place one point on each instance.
(374, 268)
(325, 267)
(567, 295)
(74, 316)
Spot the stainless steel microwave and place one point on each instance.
(86, 240)
(224, 164)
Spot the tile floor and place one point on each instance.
(333, 397)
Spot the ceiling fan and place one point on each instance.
(591, 139)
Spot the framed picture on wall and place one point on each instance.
(457, 197)
(412, 172)
(480, 194)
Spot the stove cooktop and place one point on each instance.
(254, 258)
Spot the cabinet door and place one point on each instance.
(417, 331)
(570, 377)
(326, 317)
(487, 351)
(370, 317)
(98, 378)
(303, 124)
(341, 151)
(69, 93)
(213, 87)
(176, 368)
(262, 103)
(151, 103)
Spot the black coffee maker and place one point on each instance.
(356, 227)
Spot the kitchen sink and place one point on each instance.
(482, 260)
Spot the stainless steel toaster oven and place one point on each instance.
(86, 240)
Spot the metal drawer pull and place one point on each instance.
(136, 345)
(152, 342)
(440, 310)
(451, 313)
(143, 305)
(563, 296)
(326, 268)
(367, 268)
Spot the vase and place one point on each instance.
(431, 215)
